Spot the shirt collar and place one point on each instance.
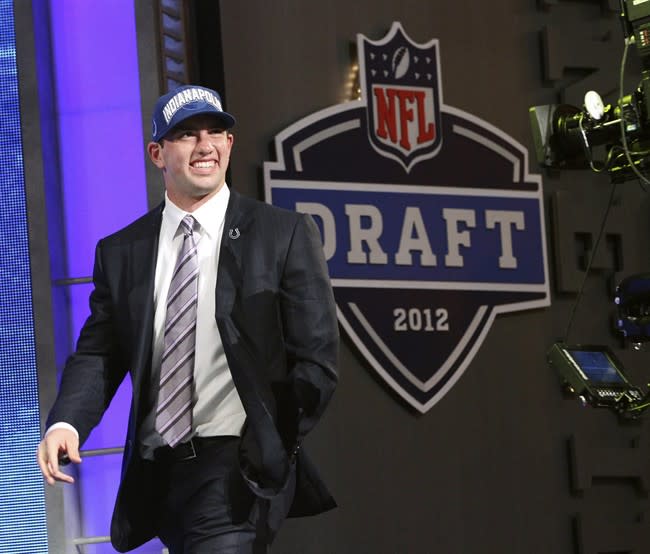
(210, 215)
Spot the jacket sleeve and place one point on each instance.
(310, 329)
(93, 372)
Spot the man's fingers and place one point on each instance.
(42, 463)
(53, 447)
(54, 471)
(58, 475)
(72, 451)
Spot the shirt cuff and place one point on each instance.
(61, 425)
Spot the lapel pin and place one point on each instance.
(234, 233)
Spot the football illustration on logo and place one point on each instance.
(400, 64)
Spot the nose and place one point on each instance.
(205, 143)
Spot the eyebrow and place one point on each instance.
(182, 129)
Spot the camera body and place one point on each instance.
(565, 135)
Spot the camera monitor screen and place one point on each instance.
(597, 365)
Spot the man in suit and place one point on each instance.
(220, 309)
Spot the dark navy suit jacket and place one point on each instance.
(276, 316)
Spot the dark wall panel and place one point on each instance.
(487, 469)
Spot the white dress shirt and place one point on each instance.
(218, 409)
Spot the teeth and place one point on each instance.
(203, 165)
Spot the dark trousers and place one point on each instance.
(205, 505)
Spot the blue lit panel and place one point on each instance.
(103, 188)
(22, 508)
(102, 150)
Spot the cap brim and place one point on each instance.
(181, 115)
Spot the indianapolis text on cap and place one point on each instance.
(186, 96)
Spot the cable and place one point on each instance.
(587, 148)
(637, 407)
(591, 260)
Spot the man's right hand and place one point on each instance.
(56, 444)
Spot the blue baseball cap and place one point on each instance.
(183, 102)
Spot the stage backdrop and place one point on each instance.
(503, 462)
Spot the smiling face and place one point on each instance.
(194, 157)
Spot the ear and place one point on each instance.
(154, 149)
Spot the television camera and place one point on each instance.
(565, 136)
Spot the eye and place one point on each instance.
(181, 134)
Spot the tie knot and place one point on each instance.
(187, 225)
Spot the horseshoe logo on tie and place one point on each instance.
(234, 233)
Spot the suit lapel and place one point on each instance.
(229, 272)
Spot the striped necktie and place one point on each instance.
(174, 411)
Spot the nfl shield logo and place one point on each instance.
(423, 252)
(401, 83)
